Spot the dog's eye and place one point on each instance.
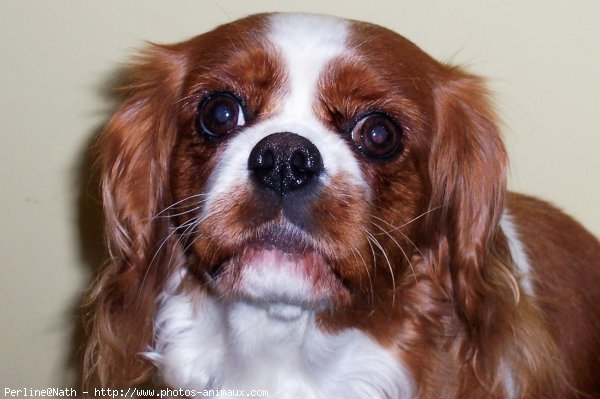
(377, 136)
(219, 114)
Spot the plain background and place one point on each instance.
(542, 59)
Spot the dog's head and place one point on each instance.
(302, 160)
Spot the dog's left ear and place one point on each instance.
(468, 250)
(467, 168)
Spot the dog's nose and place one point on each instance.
(285, 162)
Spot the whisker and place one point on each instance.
(413, 220)
(191, 228)
(181, 213)
(401, 249)
(160, 247)
(370, 237)
(179, 202)
(192, 242)
(388, 233)
(355, 251)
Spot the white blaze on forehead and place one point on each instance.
(305, 44)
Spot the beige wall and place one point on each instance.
(543, 59)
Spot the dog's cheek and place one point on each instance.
(193, 163)
(341, 215)
(234, 217)
(384, 226)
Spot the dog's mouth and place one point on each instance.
(281, 270)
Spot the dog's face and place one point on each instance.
(303, 161)
(301, 149)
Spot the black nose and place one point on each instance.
(285, 162)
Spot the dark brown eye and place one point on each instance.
(219, 114)
(377, 136)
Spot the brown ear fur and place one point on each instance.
(467, 169)
(502, 331)
(135, 150)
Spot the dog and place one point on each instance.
(316, 207)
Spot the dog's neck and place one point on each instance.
(202, 343)
(257, 337)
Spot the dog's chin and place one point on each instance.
(279, 273)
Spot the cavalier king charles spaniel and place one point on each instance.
(315, 207)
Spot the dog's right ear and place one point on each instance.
(134, 155)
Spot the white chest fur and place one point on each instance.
(203, 344)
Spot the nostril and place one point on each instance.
(267, 160)
(298, 161)
(261, 160)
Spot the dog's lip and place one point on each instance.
(273, 239)
(276, 239)
(280, 282)
(279, 269)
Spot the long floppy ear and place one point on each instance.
(467, 168)
(503, 331)
(135, 150)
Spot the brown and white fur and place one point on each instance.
(409, 275)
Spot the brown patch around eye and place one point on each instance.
(351, 88)
(255, 76)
